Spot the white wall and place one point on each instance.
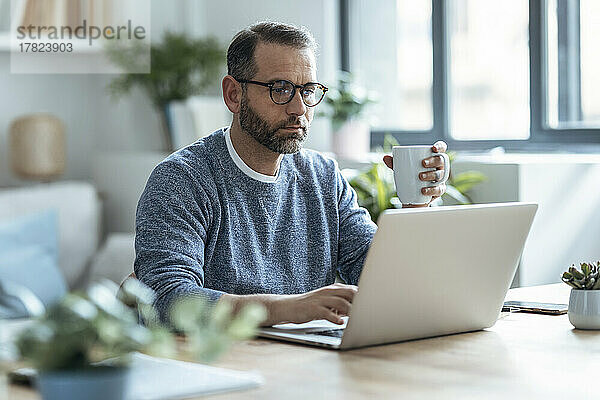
(566, 229)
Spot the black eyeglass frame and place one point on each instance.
(294, 86)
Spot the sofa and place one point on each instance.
(83, 254)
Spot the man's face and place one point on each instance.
(282, 128)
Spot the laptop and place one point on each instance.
(429, 272)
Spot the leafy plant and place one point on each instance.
(376, 190)
(180, 67)
(345, 101)
(586, 279)
(86, 328)
(209, 330)
(459, 185)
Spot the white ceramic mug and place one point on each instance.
(408, 164)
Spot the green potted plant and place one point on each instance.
(584, 301)
(180, 67)
(345, 104)
(70, 343)
(376, 190)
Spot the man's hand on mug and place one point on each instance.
(429, 176)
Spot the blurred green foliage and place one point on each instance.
(85, 328)
(180, 67)
(345, 100)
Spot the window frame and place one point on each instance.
(542, 136)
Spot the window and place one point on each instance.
(488, 75)
(573, 63)
(478, 73)
(405, 93)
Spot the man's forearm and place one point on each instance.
(271, 302)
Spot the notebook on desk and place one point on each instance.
(428, 272)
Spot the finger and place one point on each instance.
(344, 285)
(389, 161)
(337, 303)
(435, 191)
(347, 293)
(329, 315)
(432, 176)
(439, 147)
(433, 162)
(337, 285)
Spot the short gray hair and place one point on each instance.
(240, 54)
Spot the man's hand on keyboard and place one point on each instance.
(329, 302)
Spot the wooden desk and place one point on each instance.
(523, 356)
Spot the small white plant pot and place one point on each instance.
(584, 309)
(352, 140)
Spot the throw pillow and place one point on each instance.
(29, 254)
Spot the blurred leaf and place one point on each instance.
(465, 181)
(77, 306)
(244, 326)
(221, 315)
(163, 344)
(105, 299)
(456, 195)
(186, 313)
(345, 100)
(389, 141)
(134, 292)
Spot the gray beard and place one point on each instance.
(265, 134)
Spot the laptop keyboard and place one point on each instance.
(337, 333)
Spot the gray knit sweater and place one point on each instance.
(204, 227)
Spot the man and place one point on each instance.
(245, 214)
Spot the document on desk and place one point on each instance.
(161, 378)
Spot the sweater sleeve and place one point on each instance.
(172, 220)
(356, 231)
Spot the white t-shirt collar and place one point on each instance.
(242, 165)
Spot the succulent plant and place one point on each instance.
(586, 279)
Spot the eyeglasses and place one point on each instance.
(282, 91)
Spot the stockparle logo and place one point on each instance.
(85, 37)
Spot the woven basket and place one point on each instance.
(37, 147)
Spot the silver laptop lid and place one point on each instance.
(437, 271)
